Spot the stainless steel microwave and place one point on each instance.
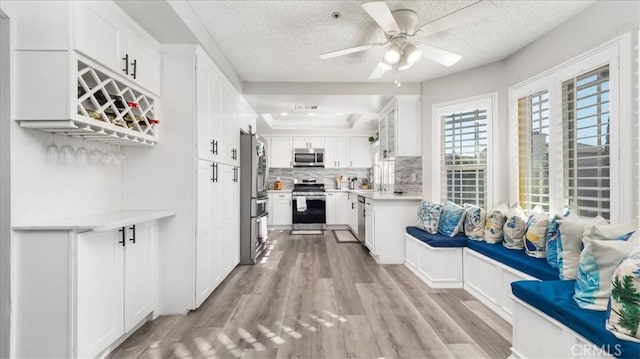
(308, 157)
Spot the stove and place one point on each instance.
(309, 213)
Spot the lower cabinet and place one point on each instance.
(336, 208)
(114, 285)
(217, 226)
(352, 212)
(370, 226)
(281, 210)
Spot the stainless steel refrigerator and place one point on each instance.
(253, 197)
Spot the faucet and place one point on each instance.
(381, 186)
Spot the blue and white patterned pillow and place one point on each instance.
(451, 219)
(551, 239)
(514, 228)
(429, 216)
(474, 221)
(536, 232)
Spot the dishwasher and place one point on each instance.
(361, 219)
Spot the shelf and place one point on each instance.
(108, 111)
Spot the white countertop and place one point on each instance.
(367, 193)
(288, 190)
(97, 222)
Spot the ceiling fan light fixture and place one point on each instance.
(392, 56)
(412, 53)
(404, 64)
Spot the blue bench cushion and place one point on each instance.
(438, 240)
(555, 299)
(516, 259)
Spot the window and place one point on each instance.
(533, 151)
(585, 114)
(464, 157)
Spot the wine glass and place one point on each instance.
(68, 154)
(95, 157)
(82, 157)
(52, 152)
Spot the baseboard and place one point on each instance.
(431, 283)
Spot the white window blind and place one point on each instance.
(464, 157)
(533, 150)
(585, 108)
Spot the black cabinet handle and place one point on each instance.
(126, 64)
(353, 206)
(122, 241)
(135, 68)
(216, 169)
(213, 146)
(213, 172)
(133, 233)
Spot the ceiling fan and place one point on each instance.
(399, 27)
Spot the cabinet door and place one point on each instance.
(342, 203)
(392, 119)
(360, 153)
(282, 210)
(137, 275)
(100, 305)
(330, 160)
(231, 124)
(316, 142)
(204, 232)
(370, 233)
(330, 208)
(301, 142)
(144, 59)
(99, 32)
(231, 226)
(341, 148)
(382, 129)
(204, 111)
(281, 152)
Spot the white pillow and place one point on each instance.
(514, 228)
(474, 222)
(494, 223)
(598, 261)
(608, 231)
(534, 238)
(623, 309)
(569, 244)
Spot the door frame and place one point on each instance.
(5, 191)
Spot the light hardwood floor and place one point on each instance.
(315, 298)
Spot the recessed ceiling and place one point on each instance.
(280, 41)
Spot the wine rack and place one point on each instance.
(107, 110)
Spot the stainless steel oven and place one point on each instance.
(308, 206)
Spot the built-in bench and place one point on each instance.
(435, 258)
(549, 324)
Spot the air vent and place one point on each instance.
(305, 107)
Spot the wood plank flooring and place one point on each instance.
(315, 298)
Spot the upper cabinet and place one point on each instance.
(336, 152)
(308, 142)
(105, 33)
(281, 152)
(360, 152)
(400, 128)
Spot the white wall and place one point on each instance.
(5, 190)
(599, 23)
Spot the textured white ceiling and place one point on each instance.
(282, 40)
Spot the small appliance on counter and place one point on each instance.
(352, 182)
(338, 180)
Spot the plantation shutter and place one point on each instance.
(586, 129)
(464, 157)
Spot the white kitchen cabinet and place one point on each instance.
(229, 177)
(281, 152)
(231, 112)
(330, 208)
(100, 278)
(336, 152)
(108, 35)
(308, 142)
(369, 222)
(336, 208)
(400, 128)
(281, 210)
(360, 152)
(208, 108)
(352, 212)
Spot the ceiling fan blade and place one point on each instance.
(478, 10)
(377, 73)
(351, 50)
(438, 55)
(380, 13)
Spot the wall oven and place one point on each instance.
(308, 157)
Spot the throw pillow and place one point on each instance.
(474, 221)
(537, 225)
(598, 261)
(570, 244)
(494, 223)
(514, 228)
(429, 216)
(451, 219)
(609, 231)
(551, 239)
(623, 317)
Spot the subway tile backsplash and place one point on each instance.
(325, 175)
